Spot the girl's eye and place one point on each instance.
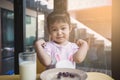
(63, 28)
(54, 29)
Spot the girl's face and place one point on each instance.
(59, 32)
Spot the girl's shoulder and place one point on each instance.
(73, 45)
(50, 44)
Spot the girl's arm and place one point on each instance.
(80, 55)
(43, 57)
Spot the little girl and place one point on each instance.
(59, 52)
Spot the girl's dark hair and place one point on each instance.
(58, 17)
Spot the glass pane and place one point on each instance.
(7, 28)
(41, 21)
(30, 30)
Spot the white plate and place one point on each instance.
(51, 73)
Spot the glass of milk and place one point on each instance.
(27, 65)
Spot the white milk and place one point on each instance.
(28, 70)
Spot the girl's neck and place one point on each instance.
(62, 44)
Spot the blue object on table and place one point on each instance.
(10, 72)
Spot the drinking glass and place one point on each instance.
(27, 65)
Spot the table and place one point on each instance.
(91, 76)
(14, 77)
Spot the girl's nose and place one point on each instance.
(59, 32)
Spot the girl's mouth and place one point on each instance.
(59, 37)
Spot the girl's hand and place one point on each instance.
(81, 42)
(41, 42)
